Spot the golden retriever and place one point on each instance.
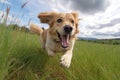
(61, 34)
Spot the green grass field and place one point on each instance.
(22, 59)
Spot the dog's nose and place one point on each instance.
(68, 29)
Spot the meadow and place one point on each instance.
(22, 59)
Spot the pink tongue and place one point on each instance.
(65, 41)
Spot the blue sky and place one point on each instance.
(100, 18)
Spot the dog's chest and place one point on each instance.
(54, 46)
(57, 47)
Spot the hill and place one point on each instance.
(113, 41)
(22, 59)
(86, 38)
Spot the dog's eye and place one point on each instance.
(72, 21)
(59, 20)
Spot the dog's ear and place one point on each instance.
(76, 15)
(46, 17)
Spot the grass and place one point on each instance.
(22, 59)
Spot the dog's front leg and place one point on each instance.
(50, 52)
(66, 59)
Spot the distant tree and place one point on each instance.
(95, 41)
(116, 43)
(103, 42)
(16, 27)
(89, 41)
(24, 29)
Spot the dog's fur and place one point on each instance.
(56, 38)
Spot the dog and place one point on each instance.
(61, 34)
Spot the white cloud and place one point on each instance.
(4, 1)
(92, 23)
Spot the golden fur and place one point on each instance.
(56, 38)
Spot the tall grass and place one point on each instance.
(22, 59)
(4, 50)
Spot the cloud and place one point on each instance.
(113, 31)
(90, 6)
(102, 25)
(84, 6)
(103, 32)
(116, 34)
(4, 1)
(113, 22)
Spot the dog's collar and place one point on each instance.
(56, 41)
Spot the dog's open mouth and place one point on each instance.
(64, 39)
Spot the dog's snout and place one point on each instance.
(68, 29)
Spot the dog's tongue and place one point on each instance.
(65, 41)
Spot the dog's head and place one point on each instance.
(63, 26)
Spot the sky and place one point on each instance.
(99, 18)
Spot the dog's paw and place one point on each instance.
(65, 61)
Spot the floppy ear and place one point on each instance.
(76, 15)
(46, 17)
